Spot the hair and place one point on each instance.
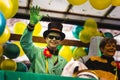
(105, 41)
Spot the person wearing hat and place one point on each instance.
(43, 60)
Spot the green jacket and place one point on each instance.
(37, 58)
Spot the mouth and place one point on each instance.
(53, 43)
(111, 51)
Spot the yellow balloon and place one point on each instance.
(66, 52)
(37, 29)
(8, 64)
(9, 8)
(19, 27)
(1, 50)
(79, 52)
(100, 4)
(98, 33)
(21, 50)
(15, 8)
(2, 58)
(76, 2)
(6, 7)
(116, 2)
(5, 36)
(90, 23)
(85, 36)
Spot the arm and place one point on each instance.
(27, 44)
(26, 39)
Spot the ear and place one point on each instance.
(45, 38)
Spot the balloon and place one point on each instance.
(8, 64)
(76, 30)
(66, 52)
(11, 50)
(1, 50)
(100, 4)
(19, 27)
(2, 58)
(2, 23)
(86, 50)
(100, 33)
(6, 8)
(9, 8)
(116, 2)
(79, 52)
(15, 9)
(5, 36)
(21, 50)
(90, 30)
(38, 28)
(76, 2)
(85, 36)
(108, 34)
(90, 23)
(59, 47)
(72, 48)
(21, 67)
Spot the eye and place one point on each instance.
(52, 37)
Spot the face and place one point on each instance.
(109, 49)
(53, 40)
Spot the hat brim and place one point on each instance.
(48, 31)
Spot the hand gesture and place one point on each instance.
(35, 15)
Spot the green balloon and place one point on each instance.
(76, 30)
(59, 47)
(87, 50)
(21, 67)
(108, 35)
(11, 50)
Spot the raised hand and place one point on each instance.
(35, 15)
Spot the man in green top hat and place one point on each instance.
(44, 60)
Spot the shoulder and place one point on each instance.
(98, 58)
(93, 58)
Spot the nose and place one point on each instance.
(113, 47)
